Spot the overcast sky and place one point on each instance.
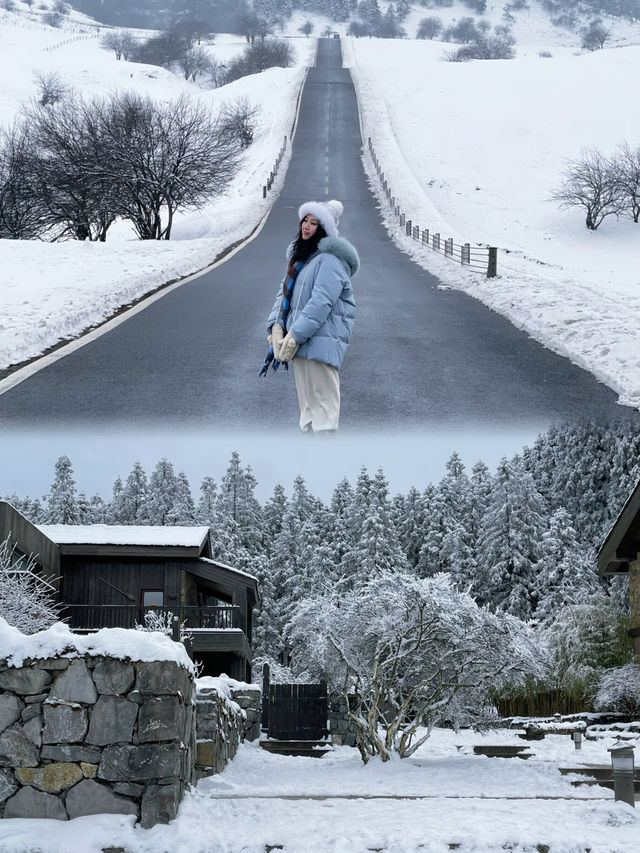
(99, 456)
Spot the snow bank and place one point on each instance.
(58, 640)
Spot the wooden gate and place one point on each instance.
(294, 711)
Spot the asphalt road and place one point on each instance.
(419, 356)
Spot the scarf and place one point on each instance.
(287, 292)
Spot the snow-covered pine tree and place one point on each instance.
(134, 497)
(184, 509)
(509, 544)
(239, 511)
(163, 493)
(566, 570)
(408, 514)
(62, 501)
(207, 503)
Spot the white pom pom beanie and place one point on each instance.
(327, 213)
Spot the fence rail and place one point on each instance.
(477, 258)
(91, 617)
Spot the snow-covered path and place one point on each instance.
(443, 798)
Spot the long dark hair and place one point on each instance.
(303, 249)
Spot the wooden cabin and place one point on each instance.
(620, 554)
(109, 576)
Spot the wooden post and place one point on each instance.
(402, 220)
(465, 254)
(436, 241)
(634, 601)
(266, 685)
(264, 191)
(175, 629)
(448, 247)
(492, 268)
(408, 227)
(425, 236)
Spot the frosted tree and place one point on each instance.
(62, 500)
(184, 510)
(163, 493)
(27, 600)
(207, 504)
(409, 517)
(134, 497)
(509, 543)
(566, 570)
(410, 653)
(372, 544)
(115, 511)
(273, 514)
(238, 509)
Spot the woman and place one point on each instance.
(312, 318)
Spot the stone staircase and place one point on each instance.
(306, 748)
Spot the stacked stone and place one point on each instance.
(343, 731)
(249, 697)
(95, 735)
(219, 732)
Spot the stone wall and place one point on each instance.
(343, 732)
(222, 725)
(249, 698)
(95, 734)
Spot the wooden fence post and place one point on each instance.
(425, 236)
(408, 227)
(492, 267)
(448, 247)
(436, 242)
(465, 254)
(266, 684)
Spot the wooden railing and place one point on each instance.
(90, 617)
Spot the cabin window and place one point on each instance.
(152, 598)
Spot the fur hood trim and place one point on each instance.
(343, 250)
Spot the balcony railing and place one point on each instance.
(90, 617)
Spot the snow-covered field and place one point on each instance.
(54, 291)
(443, 796)
(474, 150)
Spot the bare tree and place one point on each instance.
(595, 35)
(51, 87)
(306, 29)
(589, 182)
(627, 178)
(165, 158)
(194, 62)
(22, 215)
(238, 120)
(121, 42)
(67, 169)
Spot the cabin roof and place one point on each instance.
(622, 543)
(125, 535)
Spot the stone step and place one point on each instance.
(503, 751)
(306, 748)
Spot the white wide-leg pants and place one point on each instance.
(318, 387)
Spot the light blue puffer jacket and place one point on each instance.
(323, 307)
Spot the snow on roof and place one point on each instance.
(123, 534)
(122, 643)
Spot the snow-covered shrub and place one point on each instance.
(27, 601)
(410, 653)
(619, 690)
(584, 640)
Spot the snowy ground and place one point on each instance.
(443, 796)
(54, 291)
(474, 150)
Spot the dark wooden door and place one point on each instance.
(297, 711)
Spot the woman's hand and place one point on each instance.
(277, 334)
(288, 348)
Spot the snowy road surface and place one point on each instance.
(420, 354)
(337, 805)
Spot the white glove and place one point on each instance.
(288, 348)
(276, 336)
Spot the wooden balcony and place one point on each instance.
(92, 617)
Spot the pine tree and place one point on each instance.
(206, 511)
(62, 501)
(509, 544)
(134, 497)
(566, 571)
(163, 493)
(184, 510)
(409, 518)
